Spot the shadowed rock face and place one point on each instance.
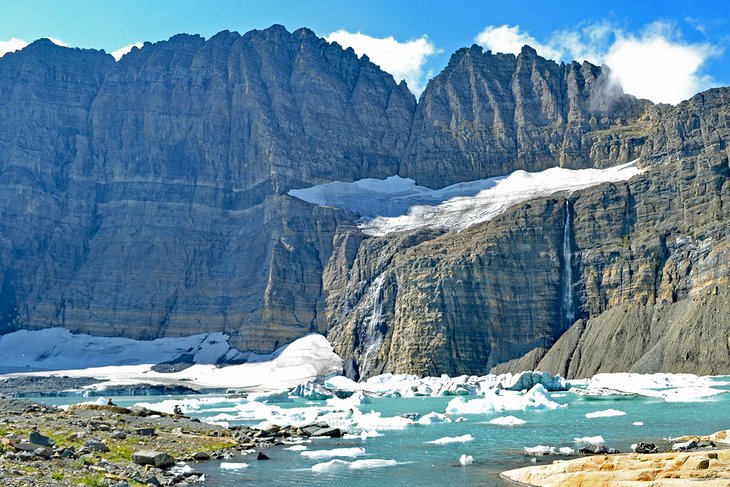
(148, 198)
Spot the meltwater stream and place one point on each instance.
(420, 461)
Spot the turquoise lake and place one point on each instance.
(494, 448)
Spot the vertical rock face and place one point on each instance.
(646, 263)
(452, 303)
(155, 186)
(490, 114)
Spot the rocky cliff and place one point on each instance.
(148, 197)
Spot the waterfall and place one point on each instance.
(370, 335)
(567, 308)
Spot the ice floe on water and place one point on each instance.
(670, 387)
(507, 421)
(466, 459)
(233, 466)
(540, 450)
(340, 465)
(446, 440)
(398, 204)
(590, 440)
(335, 452)
(498, 400)
(607, 413)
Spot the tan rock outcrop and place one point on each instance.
(704, 468)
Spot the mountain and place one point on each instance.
(151, 197)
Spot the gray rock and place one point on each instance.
(154, 458)
(95, 445)
(201, 456)
(646, 448)
(39, 439)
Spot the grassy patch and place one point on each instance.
(95, 480)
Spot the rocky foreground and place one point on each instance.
(680, 467)
(105, 445)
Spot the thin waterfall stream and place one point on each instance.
(568, 312)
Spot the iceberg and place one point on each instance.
(496, 401)
(446, 440)
(335, 452)
(466, 459)
(339, 465)
(507, 421)
(608, 413)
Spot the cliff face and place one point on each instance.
(648, 262)
(490, 114)
(152, 202)
(148, 197)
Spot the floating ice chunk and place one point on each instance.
(271, 397)
(507, 421)
(638, 423)
(335, 452)
(535, 398)
(311, 390)
(548, 450)
(341, 383)
(691, 394)
(539, 450)
(527, 380)
(331, 466)
(296, 447)
(607, 413)
(591, 440)
(452, 439)
(670, 387)
(372, 463)
(233, 466)
(363, 435)
(433, 417)
(353, 401)
(337, 465)
(466, 459)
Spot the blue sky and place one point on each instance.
(680, 45)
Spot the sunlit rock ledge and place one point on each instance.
(705, 467)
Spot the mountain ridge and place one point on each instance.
(148, 197)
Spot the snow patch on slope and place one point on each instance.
(397, 204)
(127, 361)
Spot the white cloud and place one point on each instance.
(124, 50)
(656, 63)
(404, 60)
(58, 42)
(14, 44)
(658, 67)
(510, 39)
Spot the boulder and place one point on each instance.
(646, 448)
(154, 458)
(38, 439)
(96, 445)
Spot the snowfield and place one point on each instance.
(397, 204)
(124, 361)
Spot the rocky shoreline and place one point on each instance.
(102, 445)
(694, 459)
